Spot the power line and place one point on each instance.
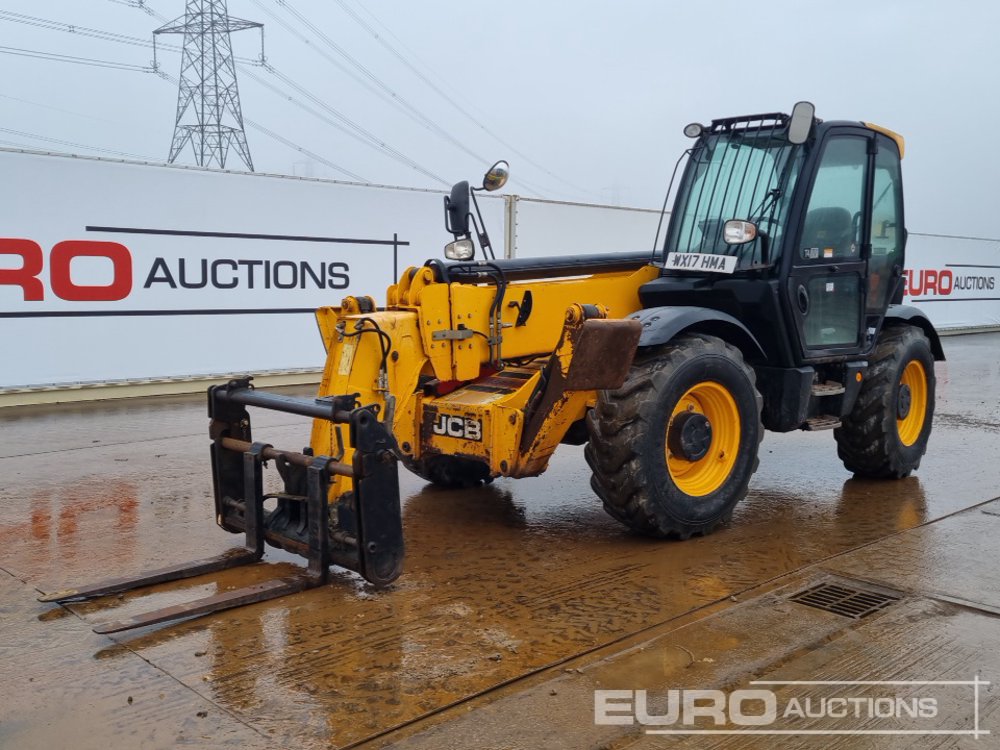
(390, 97)
(307, 152)
(141, 5)
(281, 139)
(367, 78)
(72, 59)
(160, 74)
(99, 149)
(108, 36)
(15, 144)
(477, 121)
(54, 109)
(364, 76)
(45, 23)
(366, 73)
(125, 39)
(305, 40)
(412, 68)
(345, 124)
(341, 122)
(301, 105)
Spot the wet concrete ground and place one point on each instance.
(505, 588)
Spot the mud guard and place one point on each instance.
(661, 324)
(914, 316)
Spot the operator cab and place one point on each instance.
(791, 225)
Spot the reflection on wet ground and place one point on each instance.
(500, 581)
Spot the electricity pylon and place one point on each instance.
(209, 116)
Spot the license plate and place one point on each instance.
(702, 262)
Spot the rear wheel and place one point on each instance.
(673, 449)
(886, 433)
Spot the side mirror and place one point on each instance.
(456, 210)
(458, 218)
(801, 122)
(496, 177)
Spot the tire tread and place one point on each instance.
(619, 423)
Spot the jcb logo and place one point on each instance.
(458, 427)
(32, 263)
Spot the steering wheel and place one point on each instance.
(856, 226)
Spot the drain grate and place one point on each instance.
(844, 600)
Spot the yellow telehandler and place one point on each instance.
(773, 302)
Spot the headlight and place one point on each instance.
(739, 232)
(459, 250)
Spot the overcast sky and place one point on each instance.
(585, 99)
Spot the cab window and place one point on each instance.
(833, 223)
(887, 226)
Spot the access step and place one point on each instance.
(829, 388)
(822, 422)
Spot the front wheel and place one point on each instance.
(886, 433)
(673, 449)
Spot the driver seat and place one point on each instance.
(829, 226)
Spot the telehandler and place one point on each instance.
(774, 302)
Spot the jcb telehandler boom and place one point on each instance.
(774, 302)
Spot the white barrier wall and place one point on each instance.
(119, 271)
(954, 280)
(112, 271)
(550, 228)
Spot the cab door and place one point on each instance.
(888, 233)
(826, 290)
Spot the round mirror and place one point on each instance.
(497, 176)
(694, 129)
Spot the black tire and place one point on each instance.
(628, 439)
(451, 472)
(869, 441)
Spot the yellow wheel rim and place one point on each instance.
(705, 475)
(915, 378)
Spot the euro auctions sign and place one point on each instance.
(155, 302)
(954, 280)
(774, 708)
(117, 271)
(28, 275)
(108, 272)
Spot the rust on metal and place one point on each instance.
(228, 600)
(602, 354)
(230, 559)
(299, 459)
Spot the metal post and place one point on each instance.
(510, 226)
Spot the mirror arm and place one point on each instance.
(447, 218)
(447, 221)
(484, 239)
